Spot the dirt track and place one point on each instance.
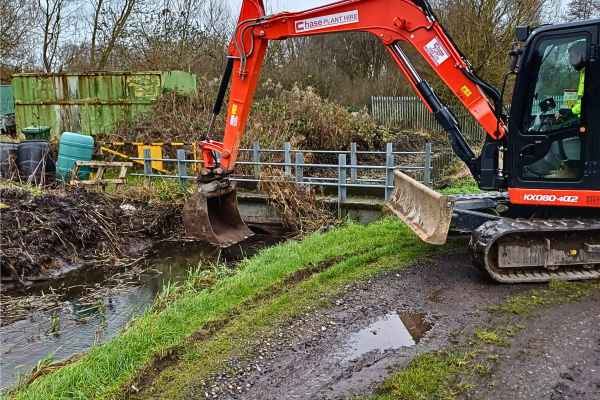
(555, 356)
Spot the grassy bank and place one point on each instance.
(260, 291)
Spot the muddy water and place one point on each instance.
(392, 331)
(80, 323)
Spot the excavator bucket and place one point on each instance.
(212, 215)
(425, 211)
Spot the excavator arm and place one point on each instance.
(212, 215)
(393, 21)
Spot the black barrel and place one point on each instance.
(34, 161)
(8, 152)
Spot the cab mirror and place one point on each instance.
(514, 57)
(548, 104)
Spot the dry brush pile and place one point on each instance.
(297, 203)
(75, 226)
(298, 116)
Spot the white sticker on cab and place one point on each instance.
(436, 51)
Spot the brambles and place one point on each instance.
(298, 116)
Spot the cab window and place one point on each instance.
(556, 78)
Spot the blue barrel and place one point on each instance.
(34, 160)
(74, 147)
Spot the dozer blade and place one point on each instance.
(212, 215)
(425, 211)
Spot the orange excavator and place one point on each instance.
(538, 217)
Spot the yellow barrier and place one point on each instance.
(155, 166)
(155, 152)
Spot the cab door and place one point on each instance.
(552, 115)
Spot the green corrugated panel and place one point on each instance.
(179, 80)
(90, 103)
(7, 106)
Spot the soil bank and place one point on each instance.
(46, 236)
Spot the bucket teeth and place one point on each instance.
(424, 210)
(212, 215)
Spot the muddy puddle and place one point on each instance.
(392, 331)
(79, 320)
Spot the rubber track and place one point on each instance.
(484, 236)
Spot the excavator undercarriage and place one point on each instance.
(509, 242)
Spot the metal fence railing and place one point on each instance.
(347, 170)
(410, 112)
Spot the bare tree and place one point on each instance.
(16, 27)
(110, 20)
(190, 35)
(54, 15)
(578, 10)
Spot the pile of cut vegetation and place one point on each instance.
(42, 231)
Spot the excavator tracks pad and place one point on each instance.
(212, 215)
(524, 250)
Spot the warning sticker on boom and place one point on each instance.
(327, 21)
(436, 51)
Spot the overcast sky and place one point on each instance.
(275, 6)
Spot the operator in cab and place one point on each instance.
(577, 61)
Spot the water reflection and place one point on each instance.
(392, 331)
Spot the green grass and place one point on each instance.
(431, 375)
(355, 252)
(463, 186)
(486, 336)
(559, 292)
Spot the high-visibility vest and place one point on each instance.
(576, 109)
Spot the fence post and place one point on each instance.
(287, 158)
(389, 171)
(256, 153)
(299, 169)
(147, 167)
(353, 163)
(181, 168)
(427, 170)
(341, 183)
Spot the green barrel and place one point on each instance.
(74, 147)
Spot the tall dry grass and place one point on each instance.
(297, 203)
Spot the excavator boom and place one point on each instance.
(392, 21)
